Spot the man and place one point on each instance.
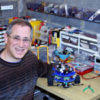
(19, 67)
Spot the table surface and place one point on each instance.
(74, 92)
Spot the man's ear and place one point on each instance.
(6, 38)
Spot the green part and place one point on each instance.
(66, 78)
(85, 89)
(57, 77)
(89, 87)
(92, 90)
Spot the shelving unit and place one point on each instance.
(2, 43)
(66, 16)
(78, 42)
(61, 21)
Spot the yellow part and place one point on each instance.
(56, 40)
(35, 24)
(10, 20)
(38, 52)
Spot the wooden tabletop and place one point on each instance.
(74, 92)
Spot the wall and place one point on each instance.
(19, 10)
(6, 14)
(22, 8)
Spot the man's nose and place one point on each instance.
(21, 42)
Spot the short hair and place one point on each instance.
(21, 22)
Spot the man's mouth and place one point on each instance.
(19, 50)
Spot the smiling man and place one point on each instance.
(19, 67)
(17, 41)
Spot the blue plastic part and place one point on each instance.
(64, 75)
(62, 56)
(71, 80)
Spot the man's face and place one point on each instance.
(18, 42)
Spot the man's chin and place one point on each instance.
(19, 57)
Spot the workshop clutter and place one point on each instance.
(56, 37)
(97, 65)
(97, 57)
(43, 34)
(35, 25)
(40, 32)
(98, 43)
(68, 37)
(43, 54)
(2, 40)
(64, 10)
(14, 18)
(48, 8)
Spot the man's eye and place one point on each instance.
(16, 38)
(26, 40)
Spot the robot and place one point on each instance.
(63, 74)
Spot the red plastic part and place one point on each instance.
(85, 72)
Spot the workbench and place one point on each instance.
(74, 92)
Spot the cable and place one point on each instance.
(89, 77)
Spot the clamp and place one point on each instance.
(88, 87)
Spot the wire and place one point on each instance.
(82, 76)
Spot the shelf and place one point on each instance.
(66, 16)
(78, 36)
(61, 21)
(68, 44)
(82, 43)
(88, 50)
(81, 48)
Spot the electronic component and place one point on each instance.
(42, 53)
(97, 65)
